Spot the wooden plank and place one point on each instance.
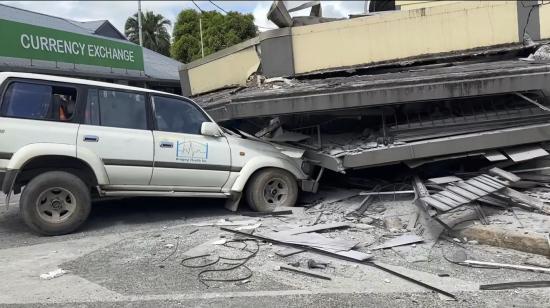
(462, 192)
(450, 202)
(315, 228)
(472, 189)
(495, 179)
(504, 174)
(453, 196)
(475, 182)
(445, 179)
(437, 204)
(490, 182)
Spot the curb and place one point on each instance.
(493, 235)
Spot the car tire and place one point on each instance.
(271, 188)
(55, 203)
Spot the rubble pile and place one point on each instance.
(434, 224)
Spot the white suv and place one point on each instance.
(66, 140)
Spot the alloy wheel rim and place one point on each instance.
(55, 205)
(275, 192)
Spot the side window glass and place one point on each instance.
(122, 109)
(91, 113)
(178, 116)
(40, 102)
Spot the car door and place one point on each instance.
(116, 129)
(183, 157)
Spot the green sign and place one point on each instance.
(21, 40)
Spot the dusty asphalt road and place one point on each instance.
(119, 258)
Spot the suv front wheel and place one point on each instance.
(271, 188)
(55, 203)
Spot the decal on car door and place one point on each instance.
(191, 151)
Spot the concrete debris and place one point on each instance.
(393, 223)
(53, 274)
(278, 79)
(316, 264)
(219, 242)
(542, 54)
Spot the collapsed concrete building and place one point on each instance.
(430, 80)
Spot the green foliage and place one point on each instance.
(155, 34)
(219, 32)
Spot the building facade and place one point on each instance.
(39, 43)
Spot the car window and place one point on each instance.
(91, 113)
(39, 101)
(115, 109)
(178, 116)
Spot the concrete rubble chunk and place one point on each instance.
(53, 274)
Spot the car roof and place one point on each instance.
(5, 75)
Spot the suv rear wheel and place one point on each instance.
(271, 188)
(55, 203)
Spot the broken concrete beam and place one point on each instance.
(527, 200)
(514, 239)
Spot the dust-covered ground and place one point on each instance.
(134, 252)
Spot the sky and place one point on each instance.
(118, 11)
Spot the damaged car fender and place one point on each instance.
(261, 162)
(253, 155)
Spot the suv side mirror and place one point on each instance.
(210, 129)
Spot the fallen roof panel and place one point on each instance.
(306, 96)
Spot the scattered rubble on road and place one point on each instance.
(411, 218)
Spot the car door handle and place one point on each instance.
(166, 144)
(90, 138)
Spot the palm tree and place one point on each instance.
(155, 35)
